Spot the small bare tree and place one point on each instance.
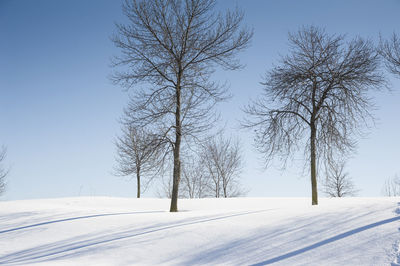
(165, 188)
(138, 154)
(173, 46)
(390, 50)
(195, 181)
(338, 183)
(391, 188)
(223, 161)
(319, 90)
(3, 171)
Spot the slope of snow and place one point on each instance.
(250, 231)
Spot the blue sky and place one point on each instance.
(59, 111)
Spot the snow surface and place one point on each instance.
(238, 231)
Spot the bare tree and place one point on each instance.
(391, 188)
(319, 90)
(138, 154)
(173, 46)
(195, 181)
(165, 188)
(390, 50)
(338, 183)
(3, 171)
(223, 161)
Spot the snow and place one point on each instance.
(237, 231)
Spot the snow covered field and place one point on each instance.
(239, 231)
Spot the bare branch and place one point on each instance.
(390, 51)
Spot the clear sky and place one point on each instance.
(59, 111)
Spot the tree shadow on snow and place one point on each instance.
(76, 246)
(71, 219)
(265, 241)
(326, 241)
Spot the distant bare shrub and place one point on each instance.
(3, 171)
(391, 188)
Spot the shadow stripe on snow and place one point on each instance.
(326, 241)
(46, 252)
(73, 218)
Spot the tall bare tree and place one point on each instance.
(338, 183)
(138, 154)
(390, 50)
(319, 90)
(3, 171)
(173, 47)
(223, 161)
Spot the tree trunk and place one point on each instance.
(225, 188)
(138, 182)
(338, 189)
(176, 176)
(217, 190)
(313, 165)
(177, 162)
